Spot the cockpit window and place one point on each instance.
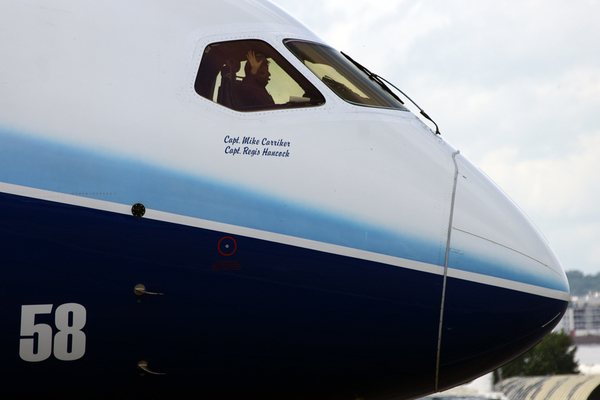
(341, 75)
(250, 75)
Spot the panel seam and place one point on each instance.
(445, 279)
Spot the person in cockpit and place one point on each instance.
(255, 82)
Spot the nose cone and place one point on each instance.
(505, 288)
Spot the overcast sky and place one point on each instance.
(514, 85)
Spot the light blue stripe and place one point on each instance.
(489, 267)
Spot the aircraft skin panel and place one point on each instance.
(492, 236)
(203, 150)
(489, 259)
(219, 311)
(217, 318)
(36, 163)
(489, 343)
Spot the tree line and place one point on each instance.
(554, 355)
(581, 284)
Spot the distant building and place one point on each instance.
(566, 324)
(582, 318)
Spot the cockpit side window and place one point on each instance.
(250, 75)
(341, 75)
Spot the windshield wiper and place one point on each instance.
(380, 81)
(373, 77)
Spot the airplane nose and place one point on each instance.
(505, 288)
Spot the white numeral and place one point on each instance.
(69, 341)
(62, 350)
(30, 328)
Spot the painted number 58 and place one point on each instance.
(37, 340)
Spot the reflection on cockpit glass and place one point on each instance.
(328, 73)
(342, 76)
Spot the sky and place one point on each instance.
(514, 85)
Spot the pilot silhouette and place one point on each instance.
(255, 82)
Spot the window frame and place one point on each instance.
(365, 82)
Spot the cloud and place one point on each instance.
(559, 193)
(366, 29)
(554, 186)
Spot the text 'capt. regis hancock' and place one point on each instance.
(255, 147)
